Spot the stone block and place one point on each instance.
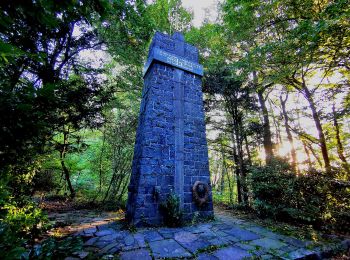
(136, 254)
(105, 232)
(242, 234)
(196, 245)
(205, 256)
(168, 248)
(185, 237)
(151, 236)
(268, 243)
(232, 253)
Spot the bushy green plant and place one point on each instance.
(312, 197)
(52, 248)
(279, 193)
(172, 213)
(19, 226)
(339, 206)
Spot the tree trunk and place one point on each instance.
(101, 165)
(276, 123)
(64, 167)
(278, 130)
(222, 181)
(101, 160)
(247, 149)
(267, 140)
(238, 177)
(229, 184)
(289, 134)
(239, 146)
(224, 170)
(109, 187)
(314, 154)
(216, 172)
(119, 198)
(308, 159)
(321, 137)
(67, 177)
(340, 148)
(267, 136)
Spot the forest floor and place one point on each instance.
(103, 235)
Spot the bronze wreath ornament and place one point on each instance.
(200, 191)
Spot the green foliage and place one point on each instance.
(46, 85)
(172, 213)
(49, 90)
(19, 226)
(279, 193)
(339, 206)
(169, 16)
(309, 198)
(56, 107)
(34, 106)
(196, 218)
(52, 248)
(213, 46)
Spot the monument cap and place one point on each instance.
(174, 51)
(178, 36)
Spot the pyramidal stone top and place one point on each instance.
(178, 36)
(173, 50)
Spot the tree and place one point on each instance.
(240, 21)
(170, 16)
(289, 42)
(237, 100)
(340, 147)
(283, 101)
(45, 82)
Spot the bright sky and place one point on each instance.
(199, 6)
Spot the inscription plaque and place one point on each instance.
(173, 60)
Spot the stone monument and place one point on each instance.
(171, 154)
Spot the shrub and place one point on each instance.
(339, 206)
(19, 226)
(53, 248)
(45, 181)
(172, 214)
(279, 193)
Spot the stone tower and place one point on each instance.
(171, 154)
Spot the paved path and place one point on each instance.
(225, 238)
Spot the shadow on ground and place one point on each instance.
(104, 236)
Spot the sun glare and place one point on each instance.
(284, 150)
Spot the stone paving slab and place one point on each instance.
(196, 245)
(185, 237)
(104, 232)
(225, 238)
(152, 235)
(299, 254)
(242, 234)
(232, 252)
(136, 254)
(268, 243)
(205, 256)
(140, 239)
(168, 248)
(110, 246)
(219, 242)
